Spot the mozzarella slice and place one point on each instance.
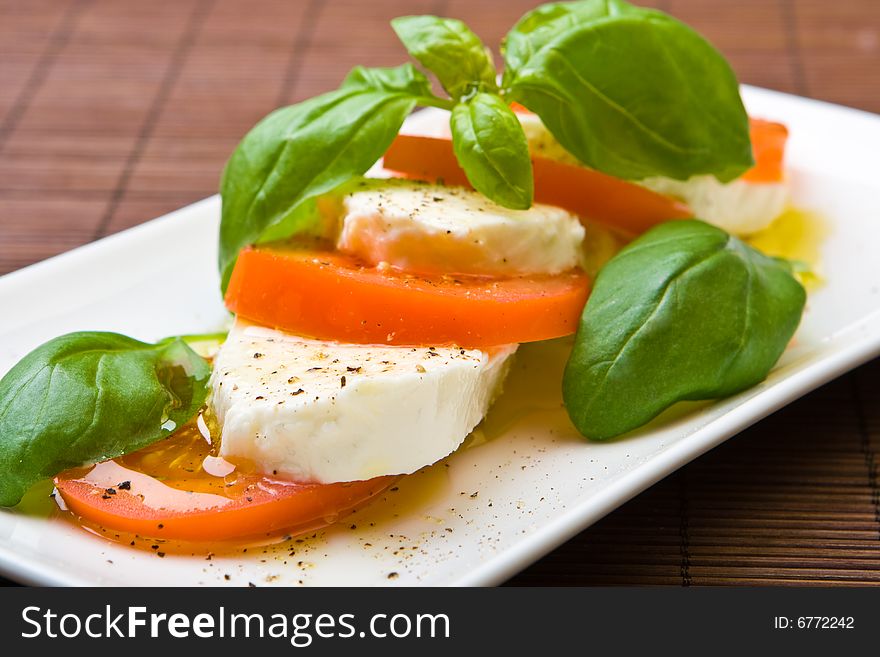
(739, 207)
(327, 412)
(426, 228)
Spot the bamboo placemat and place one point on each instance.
(113, 112)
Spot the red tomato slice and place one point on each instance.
(331, 296)
(585, 192)
(768, 149)
(165, 494)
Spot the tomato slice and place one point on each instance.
(331, 296)
(163, 492)
(585, 192)
(768, 149)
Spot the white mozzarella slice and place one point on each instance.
(435, 229)
(328, 412)
(739, 207)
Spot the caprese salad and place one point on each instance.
(601, 187)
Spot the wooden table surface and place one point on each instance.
(113, 112)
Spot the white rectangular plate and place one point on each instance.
(488, 511)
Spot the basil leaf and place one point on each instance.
(629, 91)
(685, 312)
(87, 397)
(491, 147)
(300, 152)
(404, 79)
(450, 50)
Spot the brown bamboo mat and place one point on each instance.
(113, 112)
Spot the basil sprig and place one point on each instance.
(685, 312)
(629, 91)
(86, 397)
(488, 140)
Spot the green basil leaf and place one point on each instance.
(450, 50)
(685, 312)
(491, 147)
(90, 396)
(629, 91)
(300, 152)
(405, 80)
